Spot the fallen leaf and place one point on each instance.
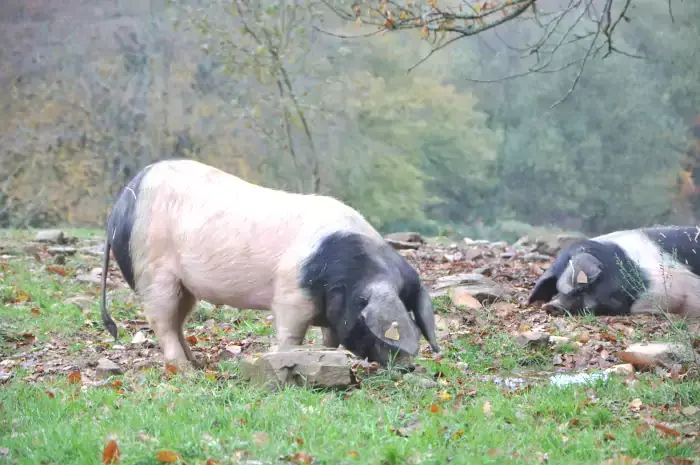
(56, 269)
(666, 430)
(28, 337)
(301, 458)
(50, 394)
(641, 430)
(435, 408)
(167, 456)
(487, 408)
(212, 462)
(458, 434)
(609, 436)
(621, 460)
(679, 461)
(494, 452)
(75, 377)
(636, 404)
(170, 369)
(192, 340)
(261, 438)
(111, 452)
(444, 396)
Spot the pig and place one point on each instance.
(646, 270)
(182, 231)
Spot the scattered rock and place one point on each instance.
(473, 253)
(139, 338)
(532, 339)
(97, 250)
(55, 236)
(559, 340)
(106, 368)
(625, 369)
(94, 279)
(647, 355)
(690, 411)
(454, 257)
(419, 381)
(146, 364)
(80, 301)
(552, 244)
(312, 366)
(485, 290)
(230, 351)
(61, 250)
(406, 237)
(536, 257)
(461, 296)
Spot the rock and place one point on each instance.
(61, 250)
(485, 290)
(625, 369)
(400, 245)
(690, 411)
(55, 236)
(312, 366)
(536, 257)
(419, 381)
(405, 237)
(461, 296)
(146, 364)
(552, 244)
(97, 250)
(139, 338)
(559, 340)
(94, 279)
(106, 368)
(454, 257)
(80, 301)
(473, 253)
(508, 255)
(650, 354)
(499, 244)
(532, 339)
(446, 323)
(230, 351)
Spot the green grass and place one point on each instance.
(463, 420)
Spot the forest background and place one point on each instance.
(478, 139)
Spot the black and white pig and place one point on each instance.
(183, 231)
(645, 270)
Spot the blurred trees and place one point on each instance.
(270, 91)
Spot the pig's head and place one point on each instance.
(373, 299)
(373, 321)
(587, 277)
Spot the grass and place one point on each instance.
(390, 420)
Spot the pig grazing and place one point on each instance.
(626, 272)
(183, 231)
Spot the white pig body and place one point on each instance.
(184, 231)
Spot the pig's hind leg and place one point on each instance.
(167, 303)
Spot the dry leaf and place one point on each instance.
(621, 460)
(170, 369)
(301, 458)
(192, 340)
(261, 438)
(609, 436)
(487, 408)
(636, 404)
(679, 461)
(75, 377)
(212, 462)
(444, 396)
(666, 430)
(167, 456)
(111, 452)
(353, 454)
(435, 409)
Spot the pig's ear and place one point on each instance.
(545, 288)
(337, 312)
(425, 316)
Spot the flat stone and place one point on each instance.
(532, 339)
(96, 250)
(80, 301)
(106, 368)
(55, 236)
(139, 338)
(407, 236)
(304, 366)
(461, 296)
(646, 354)
(484, 289)
(559, 340)
(61, 250)
(552, 244)
(624, 369)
